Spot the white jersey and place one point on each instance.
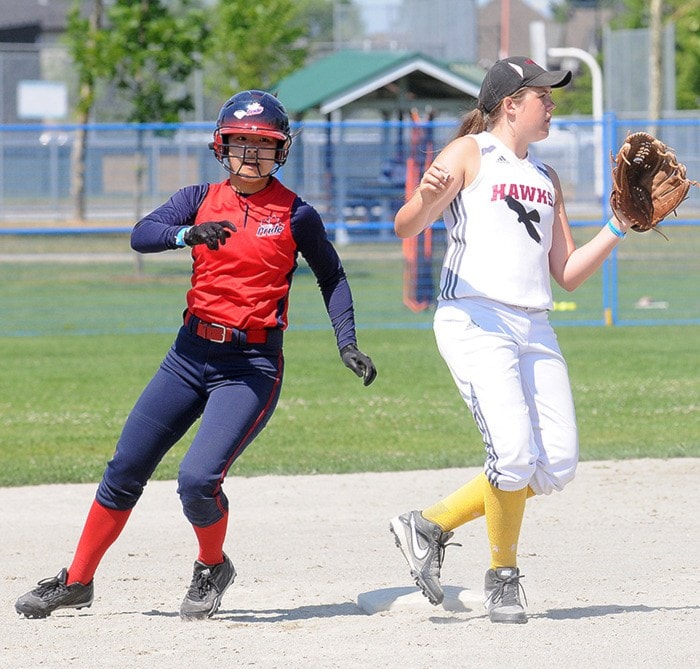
(499, 231)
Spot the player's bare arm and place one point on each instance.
(452, 170)
(571, 266)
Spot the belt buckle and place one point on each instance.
(223, 333)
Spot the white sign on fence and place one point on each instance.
(46, 100)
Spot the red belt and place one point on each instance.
(223, 334)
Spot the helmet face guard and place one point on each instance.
(252, 113)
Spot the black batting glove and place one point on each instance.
(211, 233)
(359, 363)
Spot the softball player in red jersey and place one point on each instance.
(226, 363)
(507, 233)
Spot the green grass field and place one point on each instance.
(82, 336)
(63, 400)
(99, 291)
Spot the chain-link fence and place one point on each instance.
(354, 174)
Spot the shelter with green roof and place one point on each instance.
(366, 103)
(389, 84)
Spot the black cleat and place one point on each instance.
(53, 593)
(209, 583)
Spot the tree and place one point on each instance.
(146, 50)
(253, 45)
(633, 14)
(151, 48)
(576, 99)
(685, 15)
(82, 38)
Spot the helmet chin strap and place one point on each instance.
(237, 173)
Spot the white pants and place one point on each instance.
(509, 369)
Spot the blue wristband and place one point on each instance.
(180, 237)
(615, 231)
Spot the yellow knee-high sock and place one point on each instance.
(463, 505)
(504, 517)
(460, 507)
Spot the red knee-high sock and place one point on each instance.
(102, 527)
(211, 541)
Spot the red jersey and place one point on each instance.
(246, 282)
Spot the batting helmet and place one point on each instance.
(256, 113)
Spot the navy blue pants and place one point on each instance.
(233, 388)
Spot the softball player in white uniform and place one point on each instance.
(507, 233)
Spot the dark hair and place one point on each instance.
(478, 120)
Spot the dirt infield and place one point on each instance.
(610, 564)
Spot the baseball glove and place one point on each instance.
(648, 182)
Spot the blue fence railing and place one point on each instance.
(353, 172)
